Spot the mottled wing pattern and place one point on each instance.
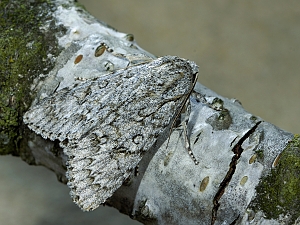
(106, 124)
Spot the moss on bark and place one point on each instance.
(25, 48)
(278, 193)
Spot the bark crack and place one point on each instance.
(237, 150)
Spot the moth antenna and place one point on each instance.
(182, 107)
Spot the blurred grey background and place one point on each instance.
(247, 50)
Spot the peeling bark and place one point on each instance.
(248, 170)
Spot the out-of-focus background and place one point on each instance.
(249, 50)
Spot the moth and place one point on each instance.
(106, 124)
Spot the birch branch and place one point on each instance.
(248, 171)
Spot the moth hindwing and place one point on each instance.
(106, 124)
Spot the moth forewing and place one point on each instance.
(109, 127)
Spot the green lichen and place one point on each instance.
(23, 56)
(260, 154)
(278, 193)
